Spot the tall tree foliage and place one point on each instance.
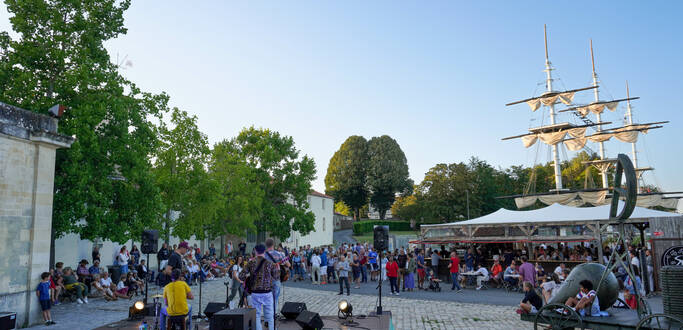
(341, 208)
(283, 176)
(104, 179)
(181, 174)
(347, 174)
(387, 173)
(443, 194)
(243, 194)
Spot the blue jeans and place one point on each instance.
(454, 278)
(265, 301)
(364, 274)
(301, 271)
(164, 315)
(393, 284)
(276, 294)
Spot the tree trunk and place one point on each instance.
(382, 214)
(167, 231)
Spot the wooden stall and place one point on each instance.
(554, 224)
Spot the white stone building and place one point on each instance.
(373, 213)
(70, 249)
(322, 207)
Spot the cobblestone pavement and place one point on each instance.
(407, 313)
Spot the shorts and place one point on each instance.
(45, 305)
(323, 270)
(421, 273)
(123, 291)
(533, 309)
(374, 267)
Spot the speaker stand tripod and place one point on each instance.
(146, 281)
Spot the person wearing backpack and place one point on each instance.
(259, 275)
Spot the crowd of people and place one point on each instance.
(64, 283)
(254, 278)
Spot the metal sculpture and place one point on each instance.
(606, 283)
(608, 290)
(629, 192)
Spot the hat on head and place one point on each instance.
(183, 244)
(260, 248)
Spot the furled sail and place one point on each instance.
(565, 198)
(549, 98)
(628, 133)
(554, 134)
(597, 107)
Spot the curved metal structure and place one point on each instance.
(549, 318)
(660, 321)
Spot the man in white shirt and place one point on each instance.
(482, 276)
(559, 270)
(634, 260)
(105, 282)
(315, 268)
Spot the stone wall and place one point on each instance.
(28, 142)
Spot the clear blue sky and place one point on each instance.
(434, 75)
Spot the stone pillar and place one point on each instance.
(28, 143)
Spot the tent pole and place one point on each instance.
(598, 237)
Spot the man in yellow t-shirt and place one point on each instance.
(176, 294)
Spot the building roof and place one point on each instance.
(319, 194)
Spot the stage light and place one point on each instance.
(137, 311)
(345, 309)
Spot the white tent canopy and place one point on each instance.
(555, 213)
(554, 223)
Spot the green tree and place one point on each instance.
(577, 175)
(387, 173)
(443, 192)
(103, 183)
(283, 176)
(341, 208)
(243, 195)
(181, 173)
(346, 178)
(407, 208)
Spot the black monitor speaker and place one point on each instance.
(234, 319)
(381, 238)
(309, 320)
(291, 310)
(8, 320)
(150, 239)
(213, 308)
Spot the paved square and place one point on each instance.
(407, 313)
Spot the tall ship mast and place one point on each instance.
(574, 137)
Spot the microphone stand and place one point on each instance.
(379, 308)
(199, 312)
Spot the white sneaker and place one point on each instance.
(478, 288)
(78, 300)
(85, 300)
(397, 294)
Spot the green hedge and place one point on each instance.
(361, 227)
